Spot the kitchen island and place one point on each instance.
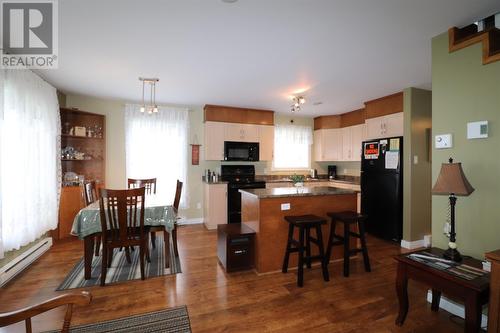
(261, 210)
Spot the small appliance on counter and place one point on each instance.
(332, 171)
(314, 173)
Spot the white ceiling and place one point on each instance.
(254, 53)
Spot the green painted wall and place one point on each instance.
(465, 90)
(417, 164)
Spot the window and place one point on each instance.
(29, 158)
(292, 147)
(156, 147)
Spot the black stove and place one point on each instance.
(238, 177)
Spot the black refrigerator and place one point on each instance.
(382, 187)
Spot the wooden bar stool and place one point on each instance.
(348, 218)
(305, 223)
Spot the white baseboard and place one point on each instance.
(185, 221)
(412, 244)
(22, 261)
(455, 308)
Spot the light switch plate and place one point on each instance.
(285, 206)
(443, 141)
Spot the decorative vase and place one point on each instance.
(298, 184)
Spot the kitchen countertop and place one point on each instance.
(210, 182)
(281, 192)
(355, 180)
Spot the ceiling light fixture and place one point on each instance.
(151, 107)
(297, 102)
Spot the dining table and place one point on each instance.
(87, 223)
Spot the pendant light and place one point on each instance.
(297, 102)
(151, 107)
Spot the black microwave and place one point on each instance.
(241, 151)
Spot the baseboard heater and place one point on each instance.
(19, 263)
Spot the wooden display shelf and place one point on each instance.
(70, 136)
(76, 160)
(90, 169)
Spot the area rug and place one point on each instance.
(165, 321)
(121, 270)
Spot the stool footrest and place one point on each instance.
(354, 251)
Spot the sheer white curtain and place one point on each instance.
(29, 159)
(157, 147)
(292, 147)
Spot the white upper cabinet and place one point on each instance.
(339, 144)
(352, 137)
(385, 126)
(317, 145)
(218, 132)
(357, 137)
(346, 144)
(214, 141)
(328, 144)
(394, 124)
(241, 132)
(266, 142)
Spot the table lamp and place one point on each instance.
(452, 182)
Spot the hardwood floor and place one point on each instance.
(240, 302)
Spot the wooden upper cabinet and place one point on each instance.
(325, 122)
(384, 106)
(356, 117)
(229, 114)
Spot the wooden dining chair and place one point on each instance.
(166, 237)
(148, 184)
(122, 224)
(177, 200)
(25, 314)
(89, 193)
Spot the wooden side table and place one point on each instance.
(474, 293)
(494, 307)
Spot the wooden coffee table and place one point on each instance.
(474, 293)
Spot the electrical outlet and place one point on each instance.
(198, 205)
(285, 206)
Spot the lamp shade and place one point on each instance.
(452, 180)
